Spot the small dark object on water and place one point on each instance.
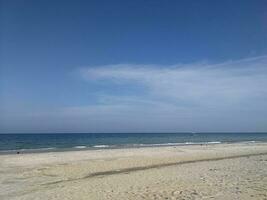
(18, 152)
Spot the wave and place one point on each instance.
(252, 141)
(215, 142)
(176, 144)
(158, 144)
(191, 143)
(47, 148)
(27, 150)
(101, 146)
(79, 147)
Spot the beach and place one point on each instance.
(211, 171)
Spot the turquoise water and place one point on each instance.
(58, 142)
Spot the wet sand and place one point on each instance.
(217, 171)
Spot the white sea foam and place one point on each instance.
(37, 149)
(190, 143)
(101, 146)
(80, 147)
(159, 144)
(168, 144)
(215, 142)
(176, 144)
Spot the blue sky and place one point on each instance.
(133, 66)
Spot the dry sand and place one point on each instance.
(219, 171)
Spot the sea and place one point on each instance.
(24, 143)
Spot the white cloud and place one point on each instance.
(221, 85)
(229, 96)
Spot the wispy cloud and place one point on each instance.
(225, 94)
(228, 96)
(219, 85)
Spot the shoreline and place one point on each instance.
(154, 154)
(126, 146)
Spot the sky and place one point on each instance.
(133, 66)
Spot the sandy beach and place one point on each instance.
(215, 171)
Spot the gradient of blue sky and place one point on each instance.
(133, 66)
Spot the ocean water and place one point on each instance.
(60, 142)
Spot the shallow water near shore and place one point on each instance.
(78, 141)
